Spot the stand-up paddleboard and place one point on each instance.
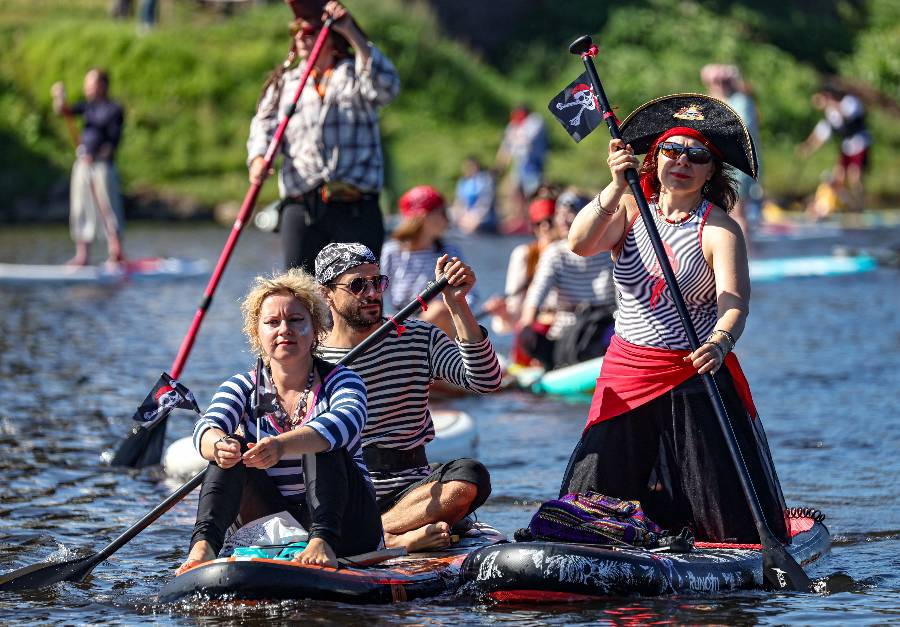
(414, 576)
(816, 266)
(156, 268)
(455, 436)
(560, 572)
(577, 380)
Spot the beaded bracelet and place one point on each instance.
(728, 335)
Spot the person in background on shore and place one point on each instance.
(844, 117)
(579, 292)
(523, 261)
(304, 454)
(409, 255)
(725, 83)
(523, 149)
(651, 414)
(419, 503)
(475, 206)
(95, 200)
(333, 167)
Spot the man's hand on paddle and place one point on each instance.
(460, 278)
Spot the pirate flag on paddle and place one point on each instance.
(144, 446)
(576, 108)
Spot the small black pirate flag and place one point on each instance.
(576, 108)
(165, 396)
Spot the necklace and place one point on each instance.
(690, 214)
(299, 406)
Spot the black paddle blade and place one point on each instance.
(41, 575)
(143, 446)
(782, 572)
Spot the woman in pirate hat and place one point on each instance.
(652, 434)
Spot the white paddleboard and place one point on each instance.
(148, 268)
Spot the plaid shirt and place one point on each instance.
(335, 138)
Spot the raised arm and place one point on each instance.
(600, 225)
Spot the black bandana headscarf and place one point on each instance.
(337, 258)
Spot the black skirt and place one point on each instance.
(670, 454)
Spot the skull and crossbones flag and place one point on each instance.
(165, 396)
(576, 108)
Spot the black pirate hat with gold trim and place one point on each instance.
(721, 126)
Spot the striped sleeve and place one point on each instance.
(544, 278)
(226, 408)
(469, 365)
(345, 418)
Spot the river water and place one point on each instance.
(822, 357)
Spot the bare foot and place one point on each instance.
(201, 552)
(427, 538)
(77, 261)
(319, 553)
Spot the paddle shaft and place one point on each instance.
(247, 207)
(29, 577)
(585, 48)
(133, 450)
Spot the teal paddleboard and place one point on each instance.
(795, 267)
(578, 379)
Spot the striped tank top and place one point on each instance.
(646, 313)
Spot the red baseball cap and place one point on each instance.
(420, 200)
(541, 209)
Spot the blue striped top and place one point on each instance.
(338, 414)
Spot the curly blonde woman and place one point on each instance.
(304, 455)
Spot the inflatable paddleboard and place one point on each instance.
(560, 572)
(577, 380)
(775, 269)
(135, 269)
(406, 578)
(456, 437)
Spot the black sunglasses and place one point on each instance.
(695, 154)
(359, 285)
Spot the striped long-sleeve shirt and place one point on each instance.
(337, 413)
(576, 280)
(398, 372)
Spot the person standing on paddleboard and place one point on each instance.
(303, 455)
(652, 434)
(333, 167)
(95, 202)
(419, 503)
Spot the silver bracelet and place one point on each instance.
(600, 211)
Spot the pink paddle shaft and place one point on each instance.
(246, 210)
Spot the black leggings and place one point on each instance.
(671, 455)
(308, 226)
(340, 504)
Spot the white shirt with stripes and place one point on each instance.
(337, 413)
(646, 313)
(398, 372)
(575, 280)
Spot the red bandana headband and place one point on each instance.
(684, 131)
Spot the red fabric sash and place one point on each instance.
(632, 375)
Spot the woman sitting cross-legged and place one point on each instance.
(305, 458)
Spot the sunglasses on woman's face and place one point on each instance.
(360, 284)
(695, 154)
(307, 29)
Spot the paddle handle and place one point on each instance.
(584, 47)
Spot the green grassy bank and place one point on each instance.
(190, 87)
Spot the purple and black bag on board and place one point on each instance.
(594, 518)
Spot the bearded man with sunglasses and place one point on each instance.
(419, 503)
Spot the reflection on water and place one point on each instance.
(822, 357)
